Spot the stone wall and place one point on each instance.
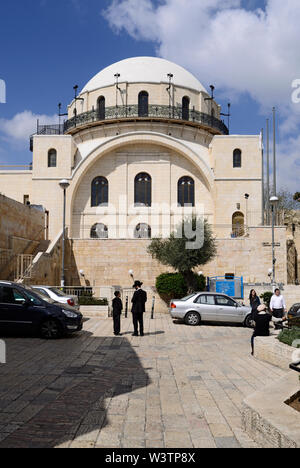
(18, 223)
(107, 262)
(292, 221)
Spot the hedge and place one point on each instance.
(289, 336)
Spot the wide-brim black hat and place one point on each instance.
(137, 284)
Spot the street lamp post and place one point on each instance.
(64, 184)
(273, 202)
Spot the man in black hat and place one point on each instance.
(138, 308)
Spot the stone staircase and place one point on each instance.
(9, 270)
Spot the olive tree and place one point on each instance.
(191, 245)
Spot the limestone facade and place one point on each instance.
(167, 147)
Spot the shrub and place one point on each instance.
(266, 297)
(171, 286)
(201, 283)
(89, 300)
(289, 336)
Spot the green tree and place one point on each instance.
(179, 253)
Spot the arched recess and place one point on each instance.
(99, 231)
(238, 224)
(143, 190)
(118, 142)
(101, 108)
(186, 191)
(142, 231)
(185, 108)
(237, 158)
(99, 192)
(143, 104)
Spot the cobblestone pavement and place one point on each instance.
(178, 386)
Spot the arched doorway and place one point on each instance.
(238, 224)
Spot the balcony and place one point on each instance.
(155, 112)
(133, 113)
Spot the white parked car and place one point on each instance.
(210, 307)
(58, 296)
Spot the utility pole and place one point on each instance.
(263, 177)
(268, 174)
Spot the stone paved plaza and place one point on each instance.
(177, 387)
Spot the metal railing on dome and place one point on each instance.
(158, 112)
(153, 112)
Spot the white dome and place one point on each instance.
(144, 70)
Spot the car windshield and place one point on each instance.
(32, 293)
(188, 297)
(57, 292)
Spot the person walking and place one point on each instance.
(117, 312)
(254, 301)
(138, 308)
(262, 319)
(278, 306)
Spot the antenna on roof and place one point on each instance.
(171, 95)
(60, 115)
(228, 115)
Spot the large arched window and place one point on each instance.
(101, 108)
(186, 108)
(142, 231)
(186, 192)
(143, 190)
(238, 224)
(143, 104)
(52, 158)
(99, 231)
(237, 158)
(100, 192)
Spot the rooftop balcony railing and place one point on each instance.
(153, 112)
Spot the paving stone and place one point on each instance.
(227, 442)
(179, 387)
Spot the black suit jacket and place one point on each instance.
(139, 301)
(117, 306)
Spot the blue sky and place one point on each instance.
(47, 46)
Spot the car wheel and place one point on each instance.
(50, 330)
(249, 322)
(193, 319)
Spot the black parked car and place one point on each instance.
(24, 310)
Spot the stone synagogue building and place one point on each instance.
(144, 142)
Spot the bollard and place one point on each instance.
(153, 305)
(126, 307)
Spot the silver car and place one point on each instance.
(58, 296)
(210, 307)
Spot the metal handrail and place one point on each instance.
(134, 112)
(153, 111)
(295, 367)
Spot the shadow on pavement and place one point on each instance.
(211, 324)
(75, 403)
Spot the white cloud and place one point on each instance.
(239, 49)
(22, 125)
(222, 43)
